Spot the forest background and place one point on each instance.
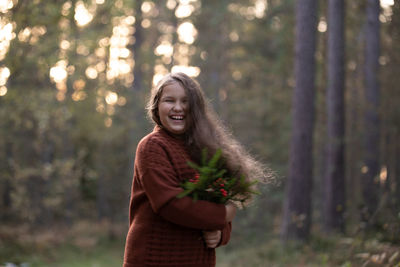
(74, 79)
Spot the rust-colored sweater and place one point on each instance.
(165, 230)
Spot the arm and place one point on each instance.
(161, 185)
(200, 214)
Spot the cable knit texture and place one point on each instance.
(165, 230)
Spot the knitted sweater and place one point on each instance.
(165, 230)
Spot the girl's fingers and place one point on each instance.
(212, 238)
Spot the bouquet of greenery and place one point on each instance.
(213, 183)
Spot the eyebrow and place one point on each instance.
(166, 96)
(173, 97)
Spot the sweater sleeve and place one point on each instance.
(225, 234)
(161, 186)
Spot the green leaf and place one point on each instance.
(220, 173)
(193, 165)
(204, 156)
(215, 158)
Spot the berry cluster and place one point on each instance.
(224, 192)
(195, 179)
(218, 184)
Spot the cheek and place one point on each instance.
(161, 110)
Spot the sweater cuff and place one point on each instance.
(225, 234)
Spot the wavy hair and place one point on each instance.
(205, 130)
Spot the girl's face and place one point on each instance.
(173, 108)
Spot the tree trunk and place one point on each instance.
(136, 47)
(354, 116)
(297, 209)
(102, 194)
(136, 90)
(334, 172)
(7, 188)
(214, 68)
(397, 173)
(370, 170)
(395, 79)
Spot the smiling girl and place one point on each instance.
(166, 230)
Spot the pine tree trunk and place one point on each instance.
(214, 68)
(397, 173)
(395, 79)
(136, 47)
(8, 173)
(334, 172)
(135, 112)
(297, 209)
(370, 169)
(103, 192)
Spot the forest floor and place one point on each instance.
(87, 245)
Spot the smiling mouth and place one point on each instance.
(177, 117)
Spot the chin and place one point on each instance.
(178, 132)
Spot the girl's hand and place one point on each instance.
(212, 238)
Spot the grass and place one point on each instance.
(320, 251)
(83, 244)
(91, 246)
(103, 254)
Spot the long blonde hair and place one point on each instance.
(205, 130)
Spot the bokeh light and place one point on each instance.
(58, 73)
(387, 3)
(111, 98)
(4, 74)
(5, 5)
(184, 10)
(82, 14)
(6, 35)
(187, 32)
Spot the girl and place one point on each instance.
(165, 230)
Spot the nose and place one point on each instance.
(178, 106)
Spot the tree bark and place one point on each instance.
(136, 47)
(297, 209)
(214, 68)
(6, 183)
(395, 79)
(335, 169)
(397, 173)
(370, 179)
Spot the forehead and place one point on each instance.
(174, 89)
